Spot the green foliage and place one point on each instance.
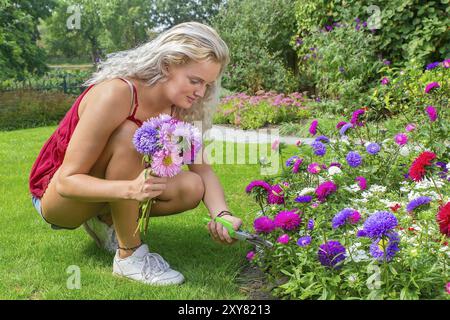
(19, 52)
(258, 34)
(341, 63)
(404, 29)
(405, 91)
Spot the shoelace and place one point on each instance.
(158, 263)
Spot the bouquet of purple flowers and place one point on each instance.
(166, 144)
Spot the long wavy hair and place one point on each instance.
(181, 44)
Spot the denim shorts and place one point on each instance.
(37, 205)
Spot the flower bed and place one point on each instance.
(361, 215)
(252, 112)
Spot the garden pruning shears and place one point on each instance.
(240, 234)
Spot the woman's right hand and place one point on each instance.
(144, 189)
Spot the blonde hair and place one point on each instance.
(185, 42)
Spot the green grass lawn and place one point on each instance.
(34, 258)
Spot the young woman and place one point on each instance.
(88, 172)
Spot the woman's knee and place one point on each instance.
(192, 188)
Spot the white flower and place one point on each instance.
(306, 191)
(334, 170)
(404, 151)
(377, 188)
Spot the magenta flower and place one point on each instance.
(355, 117)
(432, 113)
(340, 124)
(325, 189)
(296, 166)
(314, 168)
(447, 287)
(275, 195)
(258, 183)
(250, 255)
(354, 217)
(275, 144)
(446, 64)
(410, 127)
(384, 81)
(362, 182)
(401, 139)
(287, 220)
(284, 239)
(431, 86)
(263, 225)
(313, 127)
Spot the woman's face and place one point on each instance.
(187, 83)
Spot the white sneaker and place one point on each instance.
(144, 266)
(103, 235)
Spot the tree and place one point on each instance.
(19, 52)
(168, 13)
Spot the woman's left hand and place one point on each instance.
(219, 233)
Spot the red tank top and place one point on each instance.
(52, 153)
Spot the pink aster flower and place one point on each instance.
(275, 144)
(284, 239)
(263, 225)
(287, 220)
(166, 164)
(432, 113)
(384, 81)
(325, 189)
(275, 195)
(355, 118)
(446, 65)
(298, 143)
(313, 127)
(410, 127)
(401, 139)
(447, 287)
(314, 168)
(431, 86)
(258, 183)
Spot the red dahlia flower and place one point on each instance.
(443, 218)
(418, 167)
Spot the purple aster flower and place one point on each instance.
(283, 239)
(325, 189)
(432, 65)
(341, 218)
(384, 81)
(304, 241)
(319, 148)
(386, 62)
(331, 253)
(355, 118)
(313, 127)
(275, 195)
(353, 159)
(263, 225)
(401, 139)
(344, 128)
(335, 164)
(373, 148)
(431, 86)
(298, 41)
(362, 182)
(322, 138)
(432, 113)
(417, 202)
(291, 160)
(303, 199)
(258, 183)
(341, 70)
(384, 249)
(379, 224)
(287, 220)
(146, 139)
(361, 233)
(310, 225)
(296, 166)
